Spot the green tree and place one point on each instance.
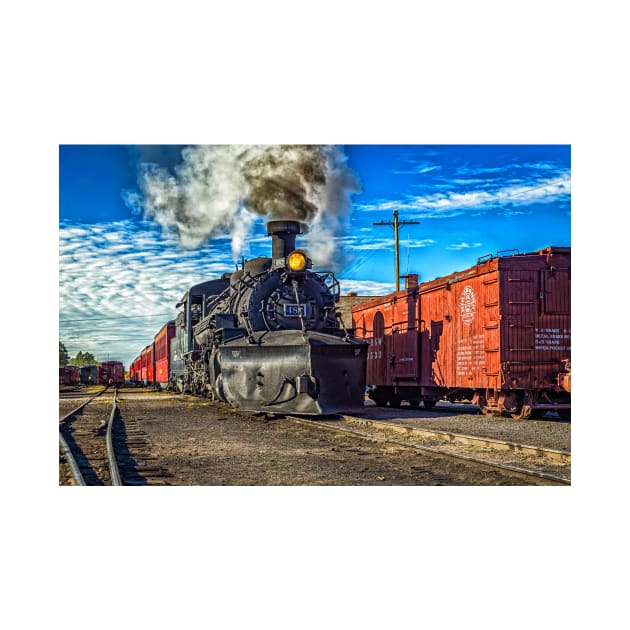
(63, 355)
(83, 358)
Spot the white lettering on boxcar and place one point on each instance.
(470, 355)
(552, 339)
(467, 304)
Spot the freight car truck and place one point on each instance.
(498, 334)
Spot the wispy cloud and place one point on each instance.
(455, 203)
(119, 282)
(418, 168)
(463, 245)
(366, 287)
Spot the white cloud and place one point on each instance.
(119, 282)
(455, 203)
(418, 168)
(463, 245)
(365, 287)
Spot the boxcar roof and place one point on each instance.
(484, 265)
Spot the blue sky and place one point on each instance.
(121, 269)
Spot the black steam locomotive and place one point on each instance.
(268, 338)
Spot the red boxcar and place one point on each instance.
(112, 373)
(498, 334)
(69, 375)
(162, 345)
(147, 365)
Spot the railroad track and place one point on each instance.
(521, 460)
(85, 440)
(100, 449)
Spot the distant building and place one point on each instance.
(346, 302)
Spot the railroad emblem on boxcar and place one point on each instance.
(467, 305)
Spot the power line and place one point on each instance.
(522, 192)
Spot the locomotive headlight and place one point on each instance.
(297, 260)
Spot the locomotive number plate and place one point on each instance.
(295, 310)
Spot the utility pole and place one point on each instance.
(396, 225)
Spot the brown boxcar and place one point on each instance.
(112, 373)
(148, 365)
(162, 345)
(69, 375)
(498, 334)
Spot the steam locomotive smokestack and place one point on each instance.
(283, 235)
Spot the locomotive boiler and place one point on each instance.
(268, 337)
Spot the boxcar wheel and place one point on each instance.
(379, 398)
(429, 404)
(523, 413)
(491, 412)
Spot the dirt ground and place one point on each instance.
(200, 442)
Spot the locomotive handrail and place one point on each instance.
(297, 300)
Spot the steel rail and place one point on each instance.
(113, 464)
(72, 462)
(83, 404)
(67, 451)
(435, 451)
(461, 438)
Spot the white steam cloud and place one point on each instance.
(220, 189)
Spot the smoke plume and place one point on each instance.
(219, 189)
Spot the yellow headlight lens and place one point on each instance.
(296, 260)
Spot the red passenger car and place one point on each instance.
(147, 365)
(162, 345)
(498, 334)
